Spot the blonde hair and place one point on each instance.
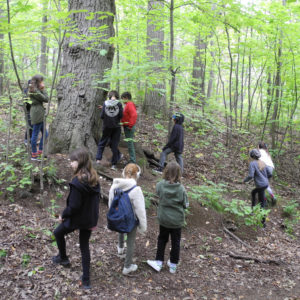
(131, 171)
(261, 164)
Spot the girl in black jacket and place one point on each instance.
(81, 213)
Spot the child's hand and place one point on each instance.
(60, 219)
(100, 106)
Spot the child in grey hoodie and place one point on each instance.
(260, 173)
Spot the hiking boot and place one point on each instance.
(155, 264)
(84, 284)
(131, 268)
(172, 267)
(61, 261)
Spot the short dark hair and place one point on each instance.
(126, 95)
(112, 94)
(172, 172)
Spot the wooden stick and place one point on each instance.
(236, 238)
(264, 261)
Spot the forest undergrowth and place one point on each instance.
(225, 253)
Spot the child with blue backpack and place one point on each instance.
(171, 217)
(130, 174)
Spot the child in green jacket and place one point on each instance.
(170, 213)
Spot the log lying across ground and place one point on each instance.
(258, 260)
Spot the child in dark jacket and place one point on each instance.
(260, 173)
(175, 143)
(81, 213)
(111, 114)
(128, 121)
(170, 213)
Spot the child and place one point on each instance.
(175, 143)
(38, 96)
(170, 213)
(260, 173)
(81, 213)
(130, 175)
(111, 114)
(129, 120)
(266, 158)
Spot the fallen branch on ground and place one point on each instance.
(236, 238)
(264, 261)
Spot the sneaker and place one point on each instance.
(84, 284)
(131, 268)
(60, 261)
(158, 170)
(155, 264)
(25, 143)
(121, 157)
(113, 167)
(121, 252)
(98, 161)
(172, 267)
(35, 158)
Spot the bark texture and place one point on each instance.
(155, 97)
(77, 123)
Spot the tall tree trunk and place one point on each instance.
(44, 56)
(155, 96)
(77, 121)
(1, 58)
(211, 75)
(199, 66)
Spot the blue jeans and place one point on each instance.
(164, 154)
(35, 132)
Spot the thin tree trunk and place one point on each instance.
(1, 58)
(155, 95)
(44, 56)
(242, 81)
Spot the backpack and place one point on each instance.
(121, 217)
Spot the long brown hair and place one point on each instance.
(172, 172)
(35, 82)
(85, 171)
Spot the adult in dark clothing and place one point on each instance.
(111, 114)
(175, 143)
(260, 173)
(81, 213)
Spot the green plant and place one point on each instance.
(25, 260)
(291, 216)
(149, 197)
(3, 253)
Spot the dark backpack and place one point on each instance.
(120, 216)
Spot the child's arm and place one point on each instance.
(251, 173)
(186, 203)
(172, 139)
(40, 96)
(75, 201)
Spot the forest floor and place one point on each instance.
(264, 264)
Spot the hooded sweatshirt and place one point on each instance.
(112, 113)
(172, 202)
(260, 176)
(176, 138)
(136, 198)
(82, 211)
(129, 115)
(37, 110)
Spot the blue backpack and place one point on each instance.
(120, 216)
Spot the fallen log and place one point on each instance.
(258, 260)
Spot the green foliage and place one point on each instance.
(25, 259)
(291, 214)
(149, 197)
(213, 196)
(3, 253)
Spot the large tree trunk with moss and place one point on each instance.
(155, 97)
(86, 55)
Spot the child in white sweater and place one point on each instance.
(130, 175)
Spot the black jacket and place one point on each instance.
(112, 113)
(176, 138)
(82, 211)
